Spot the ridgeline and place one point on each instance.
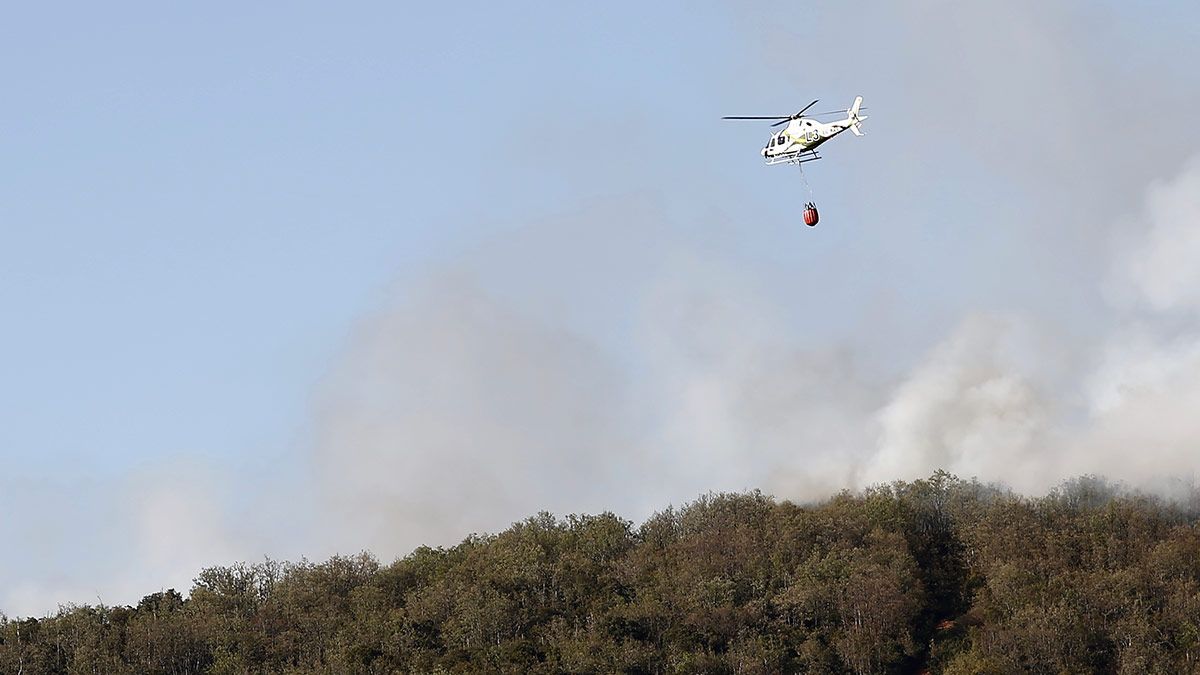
(941, 574)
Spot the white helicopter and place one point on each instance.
(797, 142)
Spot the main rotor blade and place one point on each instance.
(784, 118)
(805, 108)
(833, 112)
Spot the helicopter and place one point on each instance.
(797, 142)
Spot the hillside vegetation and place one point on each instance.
(944, 574)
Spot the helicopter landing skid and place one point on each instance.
(796, 158)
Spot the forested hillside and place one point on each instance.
(939, 574)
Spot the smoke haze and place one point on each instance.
(1084, 361)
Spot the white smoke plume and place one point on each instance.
(982, 405)
(460, 409)
(975, 407)
(468, 403)
(172, 517)
(1161, 268)
(457, 413)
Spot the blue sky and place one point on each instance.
(202, 209)
(203, 201)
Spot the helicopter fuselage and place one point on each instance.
(802, 135)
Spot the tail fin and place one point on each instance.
(852, 116)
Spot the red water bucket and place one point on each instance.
(810, 215)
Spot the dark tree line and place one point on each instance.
(940, 574)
